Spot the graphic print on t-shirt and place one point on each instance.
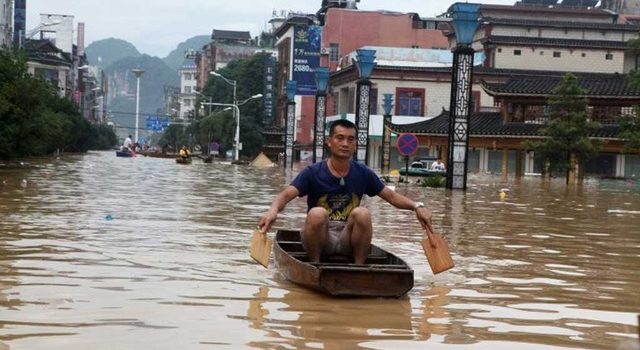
(339, 205)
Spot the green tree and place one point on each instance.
(34, 119)
(630, 130)
(567, 141)
(629, 124)
(249, 74)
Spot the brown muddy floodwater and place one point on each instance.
(99, 252)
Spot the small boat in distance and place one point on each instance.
(128, 154)
(183, 160)
(383, 274)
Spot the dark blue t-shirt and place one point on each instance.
(324, 190)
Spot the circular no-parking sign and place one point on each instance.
(407, 144)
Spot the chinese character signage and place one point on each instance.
(306, 58)
(269, 89)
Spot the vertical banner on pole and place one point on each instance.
(290, 122)
(321, 101)
(387, 105)
(290, 89)
(386, 144)
(362, 120)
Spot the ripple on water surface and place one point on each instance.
(105, 252)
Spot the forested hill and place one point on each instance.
(117, 57)
(103, 53)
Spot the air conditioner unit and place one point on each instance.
(324, 51)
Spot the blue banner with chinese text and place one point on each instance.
(306, 57)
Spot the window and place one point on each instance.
(556, 54)
(430, 25)
(584, 54)
(187, 89)
(517, 52)
(499, 49)
(373, 101)
(187, 102)
(334, 103)
(334, 52)
(608, 56)
(410, 102)
(475, 101)
(541, 53)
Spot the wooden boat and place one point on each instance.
(183, 160)
(383, 275)
(123, 154)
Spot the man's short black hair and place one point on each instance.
(343, 123)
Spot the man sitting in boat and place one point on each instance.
(184, 152)
(336, 224)
(438, 165)
(126, 145)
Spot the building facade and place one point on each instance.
(6, 23)
(527, 52)
(345, 29)
(554, 38)
(188, 80)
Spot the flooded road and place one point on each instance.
(99, 252)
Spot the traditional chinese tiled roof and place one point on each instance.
(612, 86)
(487, 124)
(555, 10)
(44, 51)
(554, 42)
(562, 24)
(230, 35)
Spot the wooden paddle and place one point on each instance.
(437, 251)
(261, 247)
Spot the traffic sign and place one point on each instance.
(156, 124)
(407, 144)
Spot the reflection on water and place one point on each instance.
(111, 253)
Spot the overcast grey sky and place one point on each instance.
(156, 27)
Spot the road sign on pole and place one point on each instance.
(407, 144)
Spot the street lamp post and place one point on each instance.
(322, 80)
(464, 23)
(236, 109)
(290, 90)
(365, 63)
(387, 105)
(138, 72)
(234, 83)
(206, 98)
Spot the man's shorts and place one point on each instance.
(337, 240)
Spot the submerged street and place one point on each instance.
(130, 253)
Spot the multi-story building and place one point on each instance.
(227, 46)
(345, 29)
(187, 72)
(527, 49)
(171, 101)
(554, 38)
(6, 23)
(48, 62)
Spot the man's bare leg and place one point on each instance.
(316, 232)
(359, 232)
